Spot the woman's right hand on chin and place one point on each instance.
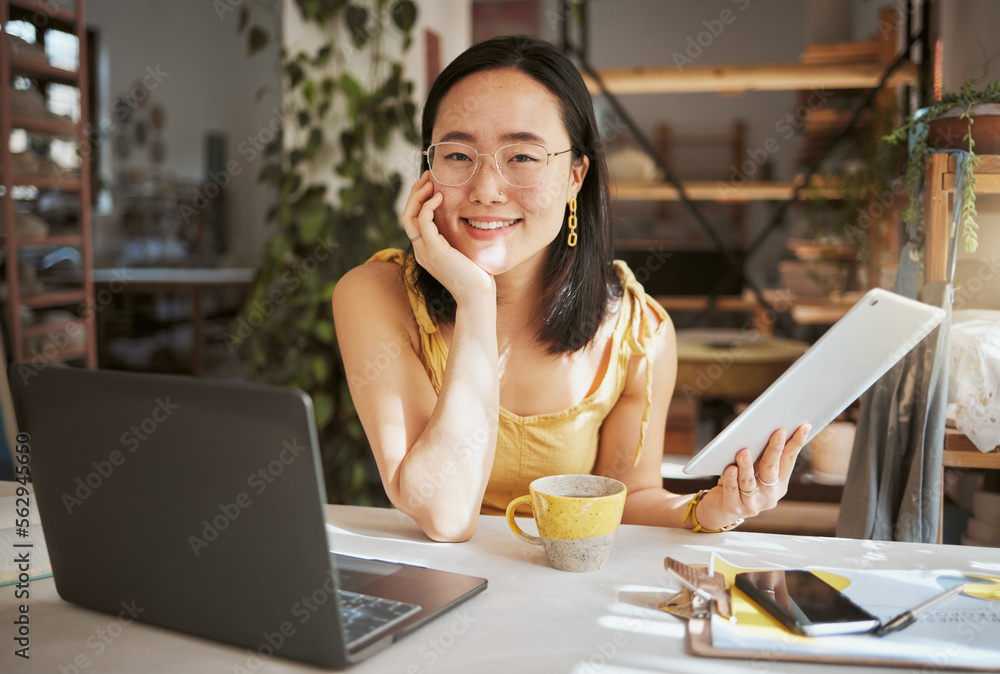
(462, 277)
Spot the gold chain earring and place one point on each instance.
(571, 222)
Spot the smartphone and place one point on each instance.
(804, 603)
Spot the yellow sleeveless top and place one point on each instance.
(561, 442)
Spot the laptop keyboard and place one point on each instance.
(366, 617)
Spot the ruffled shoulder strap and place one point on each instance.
(636, 332)
(434, 352)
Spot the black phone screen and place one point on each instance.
(805, 603)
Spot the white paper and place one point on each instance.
(963, 631)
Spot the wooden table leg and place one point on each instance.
(937, 224)
(197, 356)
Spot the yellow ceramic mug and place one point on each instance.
(577, 516)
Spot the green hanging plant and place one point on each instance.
(918, 126)
(336, 120)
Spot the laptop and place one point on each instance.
(198, 506)
(870, 338)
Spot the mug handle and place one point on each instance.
(511, 507)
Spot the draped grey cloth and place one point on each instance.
(894, 481)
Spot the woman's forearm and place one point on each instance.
(654, 506)
(444, 474)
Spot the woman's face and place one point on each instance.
(488, 110)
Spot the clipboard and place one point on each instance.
(699, 633)
(867, 650)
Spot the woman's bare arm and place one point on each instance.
(434, 453)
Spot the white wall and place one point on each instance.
(206, 82)
(451, 19)
(970, 30)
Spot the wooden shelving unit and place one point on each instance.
(24, 334)
(743, 78)
(32, 69)
(939, 193)
(839, 66)
(718, 191)
(847, 66)
(52, 127)
(959, 452)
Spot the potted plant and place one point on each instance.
(341, 121)
(967, 120)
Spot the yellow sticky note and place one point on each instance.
(990, 590)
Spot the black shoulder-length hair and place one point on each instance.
(580, 282)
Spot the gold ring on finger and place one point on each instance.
(751, 492)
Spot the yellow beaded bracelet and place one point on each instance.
(695, 526)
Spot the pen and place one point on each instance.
(907, 618)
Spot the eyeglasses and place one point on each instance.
(520, 164)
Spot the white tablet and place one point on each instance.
(858, 349)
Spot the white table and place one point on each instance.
(530, 619)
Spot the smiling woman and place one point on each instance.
(526, 350)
